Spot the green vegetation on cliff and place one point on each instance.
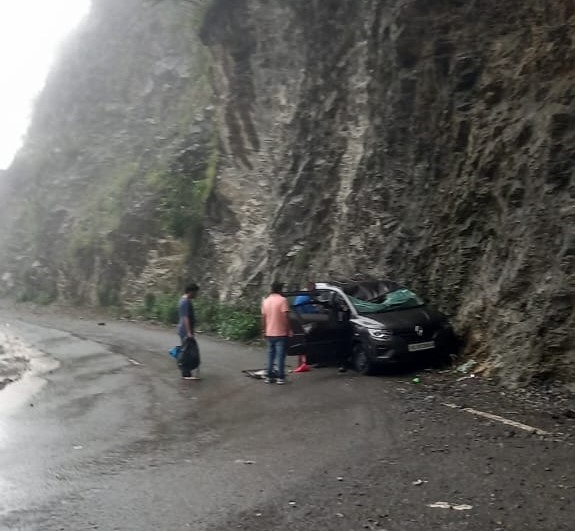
(187, 190)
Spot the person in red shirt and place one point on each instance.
(276, 329)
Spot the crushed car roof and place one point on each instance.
(363, 289)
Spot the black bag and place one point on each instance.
(189, 355)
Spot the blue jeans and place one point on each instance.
(277, 349)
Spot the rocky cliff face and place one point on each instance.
(238, 140)
(123, 113)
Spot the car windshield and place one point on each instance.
(399, 299)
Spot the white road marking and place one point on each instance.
(134, 362)
(497, 418)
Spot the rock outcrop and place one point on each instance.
(238, 140)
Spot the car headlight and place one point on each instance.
(379, 333)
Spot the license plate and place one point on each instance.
(421, 346)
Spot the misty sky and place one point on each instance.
(30, 33)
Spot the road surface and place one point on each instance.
(103, 435)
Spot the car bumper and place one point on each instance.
(398, 350)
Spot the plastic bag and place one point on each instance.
(174, 352)
(189, 355)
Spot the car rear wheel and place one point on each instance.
(361, 362)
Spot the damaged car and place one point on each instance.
(368, 325)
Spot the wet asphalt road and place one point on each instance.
(111, 439)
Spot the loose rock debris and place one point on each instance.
(373, 525)
(467, 367)
(456, 507)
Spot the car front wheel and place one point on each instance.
(361, 362)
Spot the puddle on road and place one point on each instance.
(19, 393)
(13, 398)
(6, 490)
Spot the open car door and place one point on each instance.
(321, 331)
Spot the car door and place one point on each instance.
(318, 334)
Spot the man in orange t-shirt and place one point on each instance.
(276, 329)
